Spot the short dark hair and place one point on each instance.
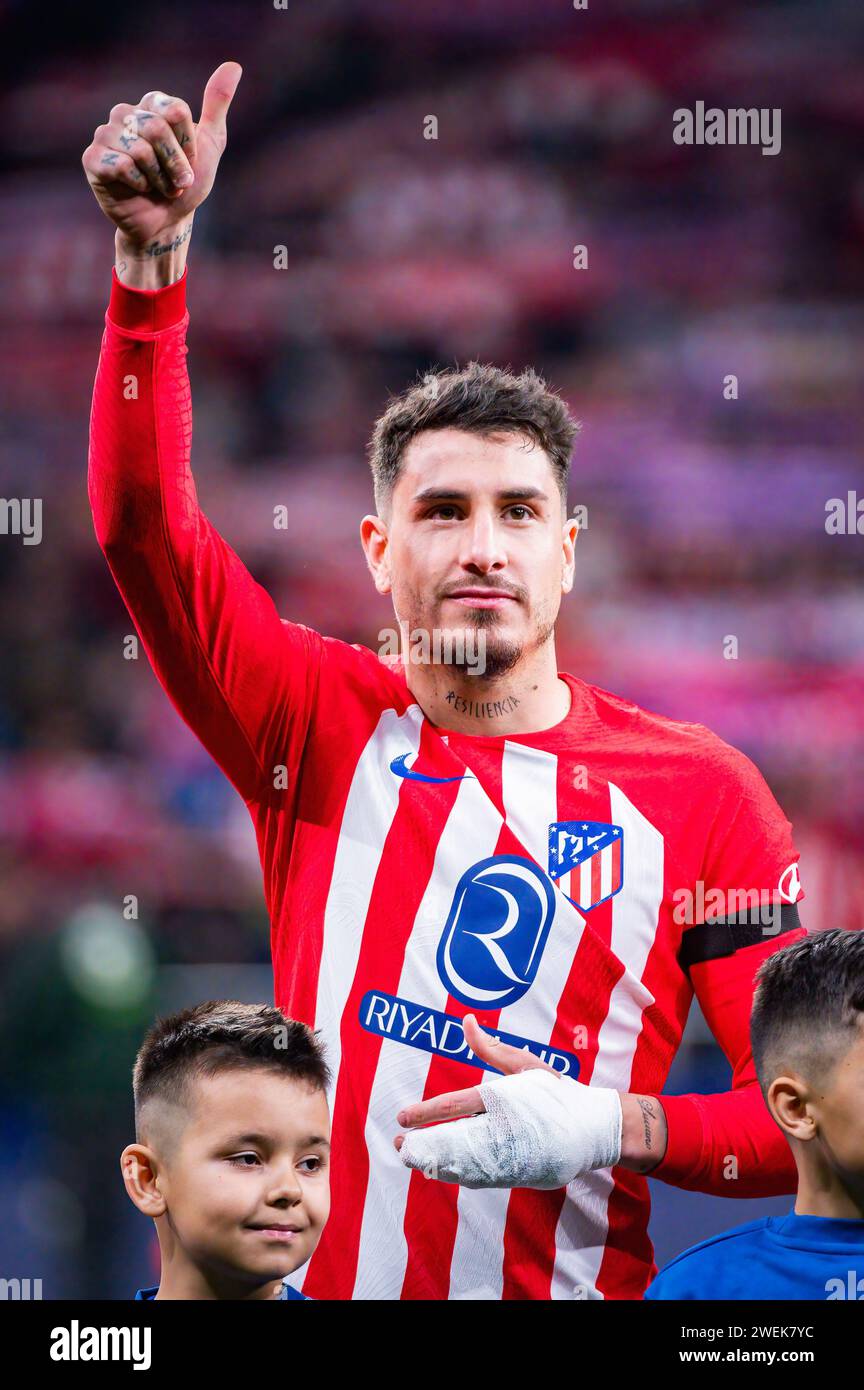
(808, 1006)
(478, 397)
(222, 1035)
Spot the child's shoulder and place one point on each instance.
(288, 1292)
(700, 1261)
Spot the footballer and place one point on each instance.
(472, 870)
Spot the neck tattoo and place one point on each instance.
(481, 709)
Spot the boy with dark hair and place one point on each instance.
(807, 1032)
(231, 1158)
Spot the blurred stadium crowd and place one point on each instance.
(706, 516)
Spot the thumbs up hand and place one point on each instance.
(150, 166)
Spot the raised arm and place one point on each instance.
(240, 677)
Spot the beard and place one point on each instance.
(501, 651)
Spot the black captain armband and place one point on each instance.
(726, 935)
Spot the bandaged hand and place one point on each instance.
(528, 1128)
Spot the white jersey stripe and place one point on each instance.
(369, 810)
(580, 1237)
(585, 881)
(606, 872)
(529, 789)
(530, 810)
(471, 833)
(579, 1248)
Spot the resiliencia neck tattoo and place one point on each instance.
(481, 709)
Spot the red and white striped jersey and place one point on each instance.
(413, 875)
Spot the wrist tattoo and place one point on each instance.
(163, 248)
(648, 1114)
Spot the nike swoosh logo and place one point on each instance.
(398, 768)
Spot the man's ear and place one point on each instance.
(140, 1168)
(568, 546)
(376, 548)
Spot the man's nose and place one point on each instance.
(483, 548)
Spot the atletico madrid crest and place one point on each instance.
(586, 860)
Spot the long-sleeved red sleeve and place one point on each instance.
(728, 1144)
(242, 678)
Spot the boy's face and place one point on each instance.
(247, 1187)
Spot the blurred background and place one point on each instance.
(129, 881)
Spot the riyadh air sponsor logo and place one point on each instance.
(415, 1025)
(586, 860)
(399, 767)
(496, 931)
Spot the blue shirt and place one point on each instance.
(804, 1257)
(287, 1292)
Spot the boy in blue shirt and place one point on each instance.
(231, 1158)
(807, 1033)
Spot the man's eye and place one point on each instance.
(445, 507)
(244, 1160)
(520, 507)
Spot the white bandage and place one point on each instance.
(539, 1130)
